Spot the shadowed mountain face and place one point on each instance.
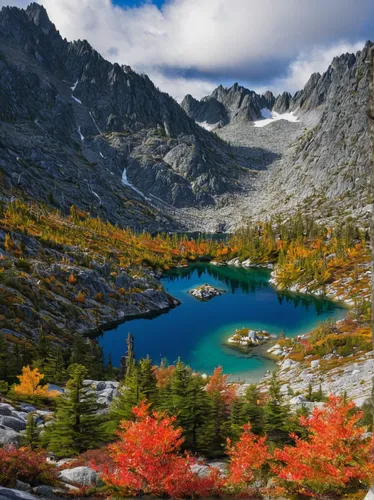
(76, 129)
(224, 106)
(320, 139)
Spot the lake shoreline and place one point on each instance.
(196, 331)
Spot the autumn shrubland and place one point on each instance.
(44, 258)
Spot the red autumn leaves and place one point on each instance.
(147, 457)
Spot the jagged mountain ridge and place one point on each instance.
(73, 125)
(228, 105)
(327, 168)
(324, 158)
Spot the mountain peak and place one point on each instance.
(39, 16)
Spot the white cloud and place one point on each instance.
(240, 39)
(317, 61)
(179, 86)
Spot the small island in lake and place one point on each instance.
(205, 292)
(246, 339)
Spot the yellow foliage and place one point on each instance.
(80, 297)
(30, 384)
(72, 279)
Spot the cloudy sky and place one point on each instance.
(191, 46)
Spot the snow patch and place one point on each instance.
(74, 86)
(96, 125)
(75, 99)
(101, 154)
(265, 113)
(97, 196)
(126, 182)
(80, 133)
(208, 126)
(290, 117)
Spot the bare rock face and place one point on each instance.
(327, 167)
(282, 103)
(233, 105)
(76, 129)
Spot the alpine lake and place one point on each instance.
(197, 332)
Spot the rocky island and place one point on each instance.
(246, 339)
(205, 292)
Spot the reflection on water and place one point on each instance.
(196, 330)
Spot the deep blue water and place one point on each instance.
(195, 330)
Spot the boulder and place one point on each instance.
(287, 363)
(298, 400)
(246, 263)
(370, 494)
(5, 412)
(20, 485)
(84, 476)
(14, 423)
(9, 436)
(22, 415)
(8, 493)
(234, 262)
(27, 408)
(46, 491)
(315, 363)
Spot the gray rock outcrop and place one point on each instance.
(83, 476)
(76, 129)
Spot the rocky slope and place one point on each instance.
(78, 285)
(321, 161)
(76, 129)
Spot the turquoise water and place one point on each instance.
(196, 330)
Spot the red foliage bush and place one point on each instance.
(247, 458)
(335, 457)
(26, 465)
(147, 460)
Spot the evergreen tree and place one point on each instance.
(253, 410)
(54, 368)
(31, 437)
(236, 419)
(277, 414)
(147, 380)
(77, 426)
(89, 354)
(78, 350)
(110, 371)
(194, 410)
(129, 395)
(216, 428)
(4, 359)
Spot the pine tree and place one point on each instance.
(236, 419)
(129, 395)
(78, 350)
(31, 437)
(147, 380)
(214, 433)
(277, 414)
(310, 392)
(253, 410)
(77, 426)
(110, 371)
(42, 351)
(4, 359)
(194, 410)
(55, 367)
